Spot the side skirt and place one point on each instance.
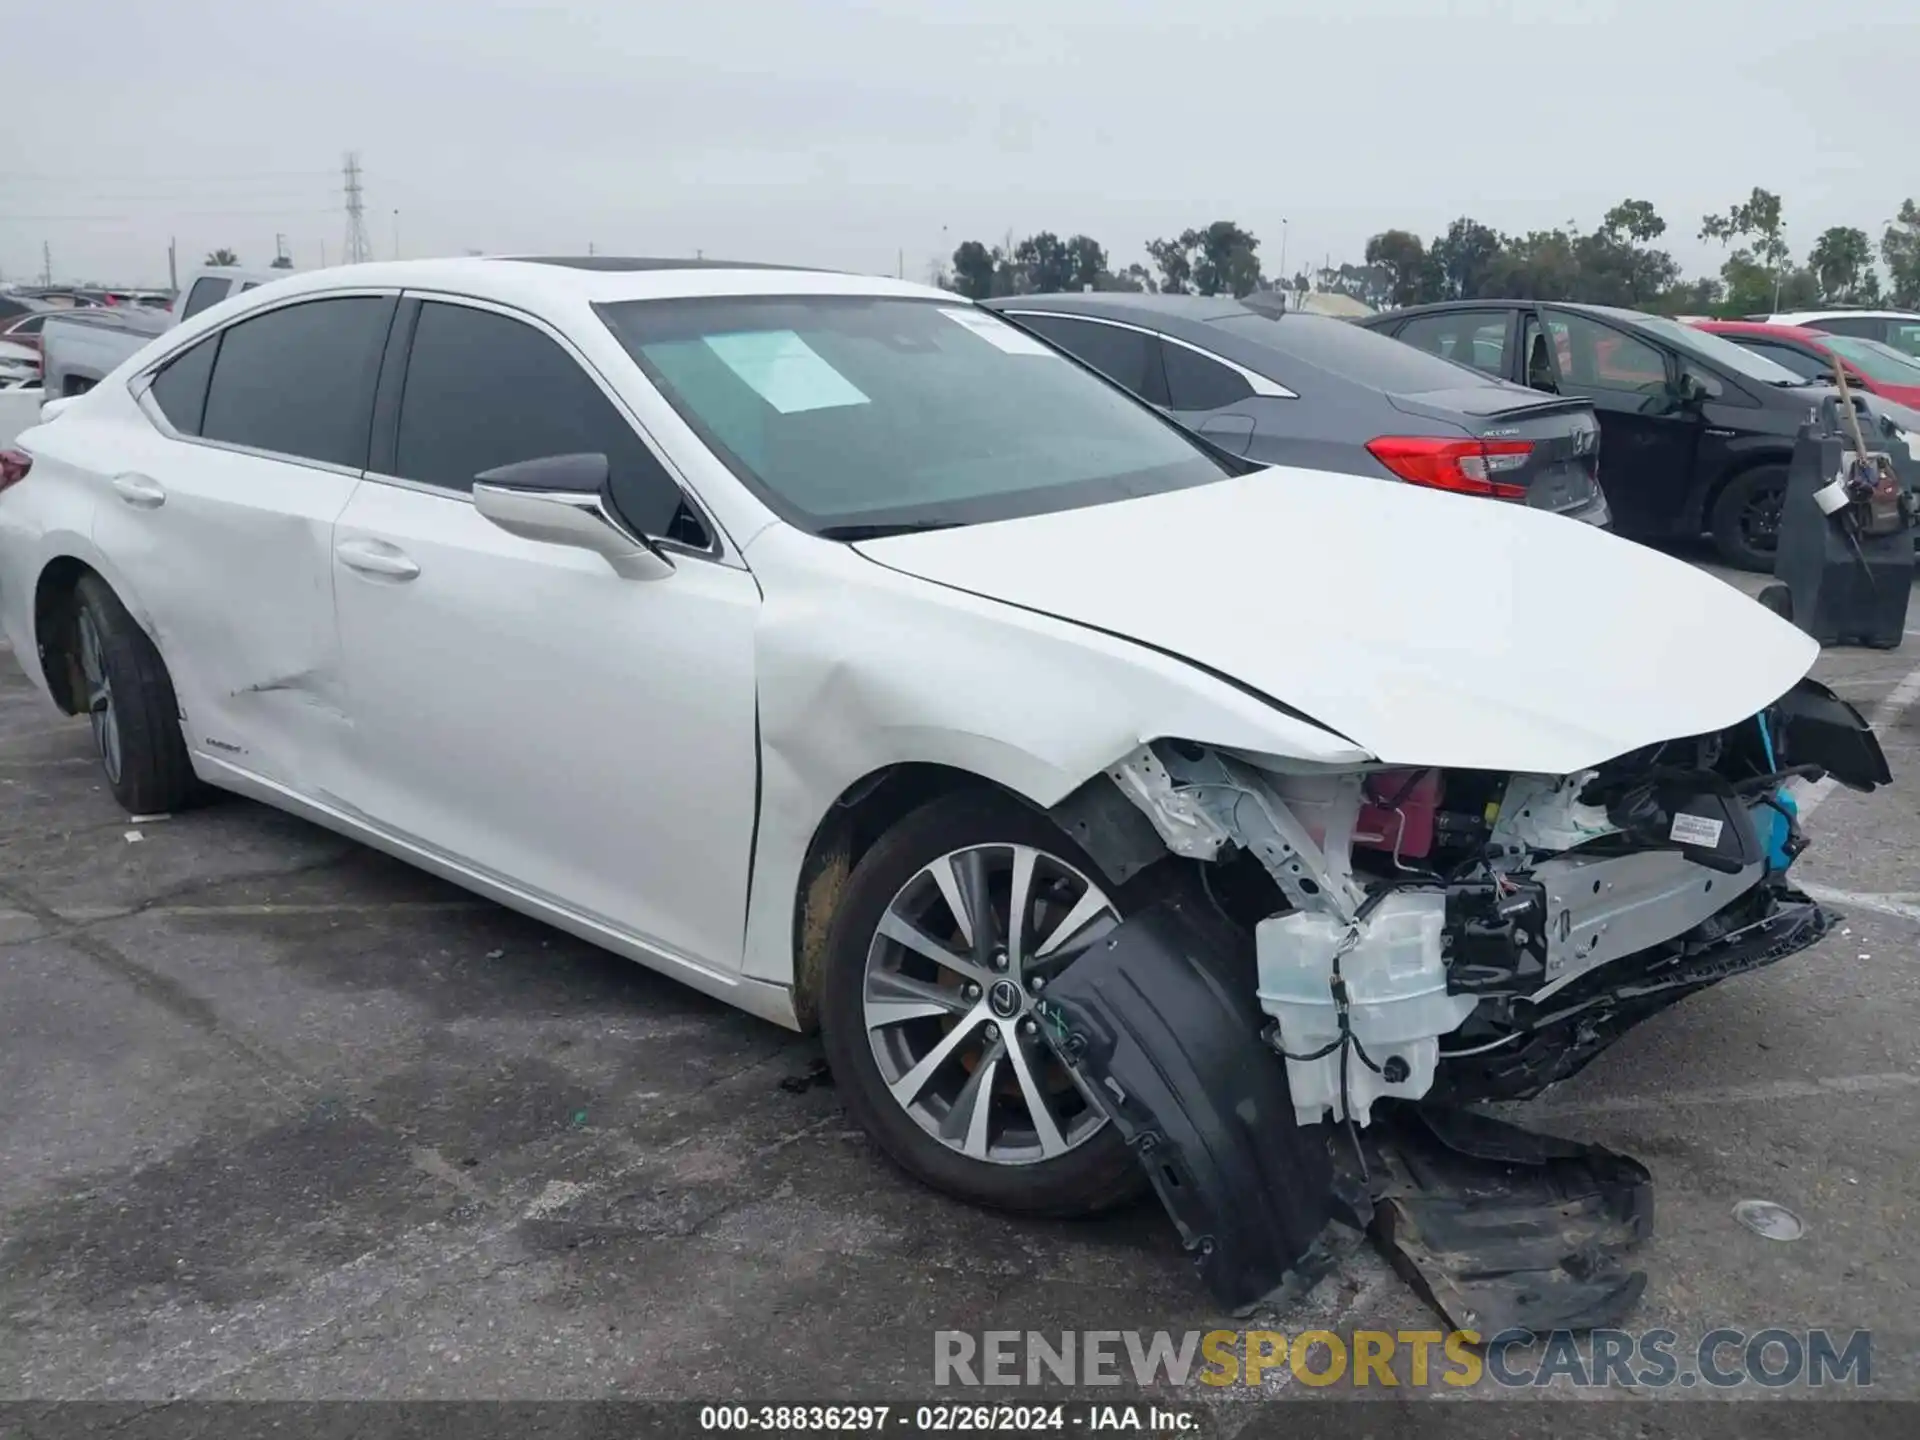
(769, 1002)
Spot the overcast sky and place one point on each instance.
(842, 134)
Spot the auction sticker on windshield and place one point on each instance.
(785, 371)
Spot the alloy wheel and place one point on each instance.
(962, 953)
(1760, 518)
(100, 711)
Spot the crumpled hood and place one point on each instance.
(1430, 629)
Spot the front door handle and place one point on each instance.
(139, 491)
(376, 557)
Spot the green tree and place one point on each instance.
(1465, 258)
(1842, 262)
(1634, 220)
(1046, 266)
(1135, 277)
(1404, 259)
(222, 256)
(1540, 265)
(1900, 248)
(1617, 264)
(1086, 264)
(1174, 263)
(973, 269)
(1705, 296)
(281, 262)
(1225, 259)
(1758, 221)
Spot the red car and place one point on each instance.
(1872, 366)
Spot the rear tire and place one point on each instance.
(1746, 518)
(971, 845)
(128, 696)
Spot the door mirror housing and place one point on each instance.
(1693, 388)
(567, 500)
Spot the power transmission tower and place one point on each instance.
(46, 263)
(358, 247)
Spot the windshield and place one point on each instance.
(1874, 360)
(1720, 350)
(855, 415)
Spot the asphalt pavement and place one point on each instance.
(282, 1118)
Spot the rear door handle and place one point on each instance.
(138, 490)
(376, 557)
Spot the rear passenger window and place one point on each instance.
(180, 389)
(485, 390)
(1196, 383)
(299, 381)
(208, 290)
(1127, 357)
(1467, 337)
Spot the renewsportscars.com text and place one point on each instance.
(1722, 1358)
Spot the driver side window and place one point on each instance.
(485, 390)
(1590, 355)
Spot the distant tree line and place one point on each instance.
(1617, 263)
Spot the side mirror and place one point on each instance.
(1694, 389)
(565, 500)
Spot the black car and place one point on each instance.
(1283, 388)
(1696, 431)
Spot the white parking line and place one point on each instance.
(1850, 899)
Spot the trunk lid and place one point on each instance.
(1562, 470)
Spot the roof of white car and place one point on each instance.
(527, 280)
(1797, 317)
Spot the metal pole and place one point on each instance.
(173, 267)
(1284, 280)
(396, 234)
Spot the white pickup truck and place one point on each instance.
(79, 348)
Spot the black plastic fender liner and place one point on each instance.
(1817, 727)
(1501, 1228)
(1159, 1020)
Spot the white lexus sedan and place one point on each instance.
(852, 655)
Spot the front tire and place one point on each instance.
(128, 697)
(949, 928)
(1746, 517)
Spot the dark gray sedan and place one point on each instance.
(1286, 388)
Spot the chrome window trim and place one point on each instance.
(1260, 384)
(721, 551)
(144, 376)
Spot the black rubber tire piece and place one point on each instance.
(1731, 505)
(1098, 1174)
(156, 775)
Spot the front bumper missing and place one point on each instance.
(1496, 1226)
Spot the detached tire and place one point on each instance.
(926, 1014)
(1746, 517)
(128, 695)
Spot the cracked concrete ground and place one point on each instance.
(284, 1118)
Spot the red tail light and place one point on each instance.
(14, 465)
(1466, 467)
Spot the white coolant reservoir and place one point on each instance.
(1397, 991)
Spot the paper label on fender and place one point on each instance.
(1696, 830)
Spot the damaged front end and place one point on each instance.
(1376, 944)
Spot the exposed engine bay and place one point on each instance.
(1520, 918)
(1422, 939)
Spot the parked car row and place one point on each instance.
(858, 656)
(80, 346)
(1285, 388)
(1697, 427)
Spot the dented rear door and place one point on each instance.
(219, 517)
